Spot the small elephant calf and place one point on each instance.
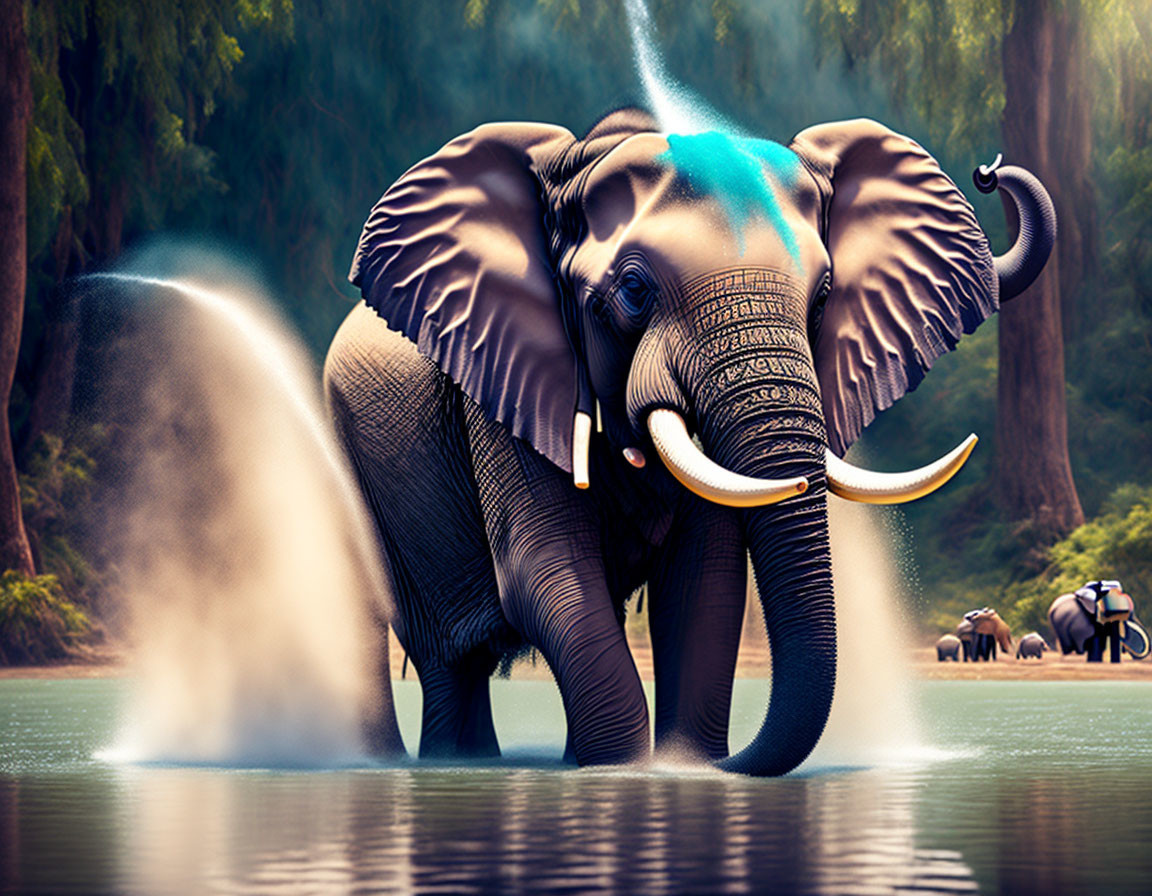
(1031, 645)
(948, 648)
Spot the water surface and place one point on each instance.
(1026, 787)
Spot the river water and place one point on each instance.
(1028, 787)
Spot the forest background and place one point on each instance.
(270, 127)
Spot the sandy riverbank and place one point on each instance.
(754, 663)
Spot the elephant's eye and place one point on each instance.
(633, 294)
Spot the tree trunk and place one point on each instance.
(55, 375)
(1070, 144)
(15, 109)
(1034, 470)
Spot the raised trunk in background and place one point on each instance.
(1035, 475)
(15, 109)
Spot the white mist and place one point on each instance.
(872, 722)
(248, 560)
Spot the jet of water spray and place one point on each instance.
(872, 722)
(677, 109)
(249, 562)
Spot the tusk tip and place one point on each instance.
(857, 484)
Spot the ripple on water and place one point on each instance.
(1051, 806)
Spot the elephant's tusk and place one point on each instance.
(581, 435)
(707, 478)
(857, 484)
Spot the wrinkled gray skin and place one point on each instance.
(1031, 646)
(521, 272)
(948, 648)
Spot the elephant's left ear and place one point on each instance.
(455, 256)
(911, 269)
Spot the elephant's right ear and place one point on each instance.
(455, 257)
(911, 269)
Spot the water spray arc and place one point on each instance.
(253, 578)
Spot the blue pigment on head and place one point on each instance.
(738, 172)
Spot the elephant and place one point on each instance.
(544, 316)
(966, 634)
(948, 648)
(980, 631)
(1099, 613)
(1032, 645)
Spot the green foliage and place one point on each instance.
(1117, 544)
(56, 179)
(941, 60)
(36, 622)
(58, 492)
(121, 91)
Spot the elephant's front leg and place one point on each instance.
(561, 603)
(695, 616)
(547, 553)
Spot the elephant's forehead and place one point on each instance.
(742, 174)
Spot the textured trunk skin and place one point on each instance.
(789, 546)
(744, 355)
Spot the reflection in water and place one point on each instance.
(867, 839)
(518, 829)
(1037, 787)
(9, 834)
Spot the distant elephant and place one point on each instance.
(966, 634)
(948, 648)
(1032, 645)
(980, 631)
(544, 315)
(1100, 613)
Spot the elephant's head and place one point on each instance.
(769, 299)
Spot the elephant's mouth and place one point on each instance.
(708, 479)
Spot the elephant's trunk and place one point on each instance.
(791, 560)
(742, 370)
(1020, 265)
(788, 543)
